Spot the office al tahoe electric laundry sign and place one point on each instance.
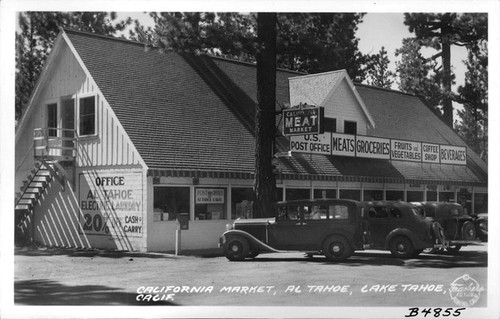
(375, 147)
(111, 203)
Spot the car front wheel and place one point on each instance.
(236, 248)
(401, 247)
(337, 248)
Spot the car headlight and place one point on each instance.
(229, 226)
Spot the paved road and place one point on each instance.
(369, 278)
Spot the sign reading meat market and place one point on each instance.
(302, 120)
(376, 147)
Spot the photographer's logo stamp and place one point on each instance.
(465, 291)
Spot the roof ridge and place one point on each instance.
(383, 89)
(107, 37)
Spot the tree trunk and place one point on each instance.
(265, 182)
(446, 58)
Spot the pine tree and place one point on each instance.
(377, 70)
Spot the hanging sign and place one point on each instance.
(303, 120)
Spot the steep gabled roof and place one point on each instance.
(187, 112)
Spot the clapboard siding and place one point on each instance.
(343, 106)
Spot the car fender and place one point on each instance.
(253, 242)
(417, 243)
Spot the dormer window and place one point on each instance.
(87, 114)
(350, 127)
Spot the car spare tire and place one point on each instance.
(469, 231)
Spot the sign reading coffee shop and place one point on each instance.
(376, 147)
(111, 203)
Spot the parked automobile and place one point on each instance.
(333, 227)
(481, 222)
(398, 227)
(458, 227)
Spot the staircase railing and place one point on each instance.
(55, 143)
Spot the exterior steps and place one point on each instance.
(32, 189)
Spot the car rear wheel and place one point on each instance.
(337, 248)
(401, 247)
(236, 248)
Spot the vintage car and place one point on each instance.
(481, 222)
(332, 227)
(398, 227)
(458, 227)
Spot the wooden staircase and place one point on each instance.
(32, 189)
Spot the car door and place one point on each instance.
(379, 224)
(291, 231)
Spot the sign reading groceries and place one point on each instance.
(375, 147)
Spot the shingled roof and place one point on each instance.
(196, 113)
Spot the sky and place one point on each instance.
(376, 31)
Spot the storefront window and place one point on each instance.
(241, 202)
(414, 196)
(169, 202)
(432, 196)
(376, 194)
(394, 195)
(447, 197)
(210, 203)
(298, 193)
(325, 193)
(350, 194)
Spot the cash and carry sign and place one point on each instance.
(376, 147)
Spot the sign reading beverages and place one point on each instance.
(453, 155)
(303, 120)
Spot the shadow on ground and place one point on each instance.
(47, 292)
(382, 258)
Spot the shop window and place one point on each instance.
(169, 202)
(52, 119)
(350, 127)
(395, 195)
(241, 203)
(374, 194)
(210, 203)
(446, 197)
(414, 196)
(354, 194)
(87, 116)
(432, 196)
(298, 193)
(330, 125)
(325, 193)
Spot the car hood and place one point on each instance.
(254, 221)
